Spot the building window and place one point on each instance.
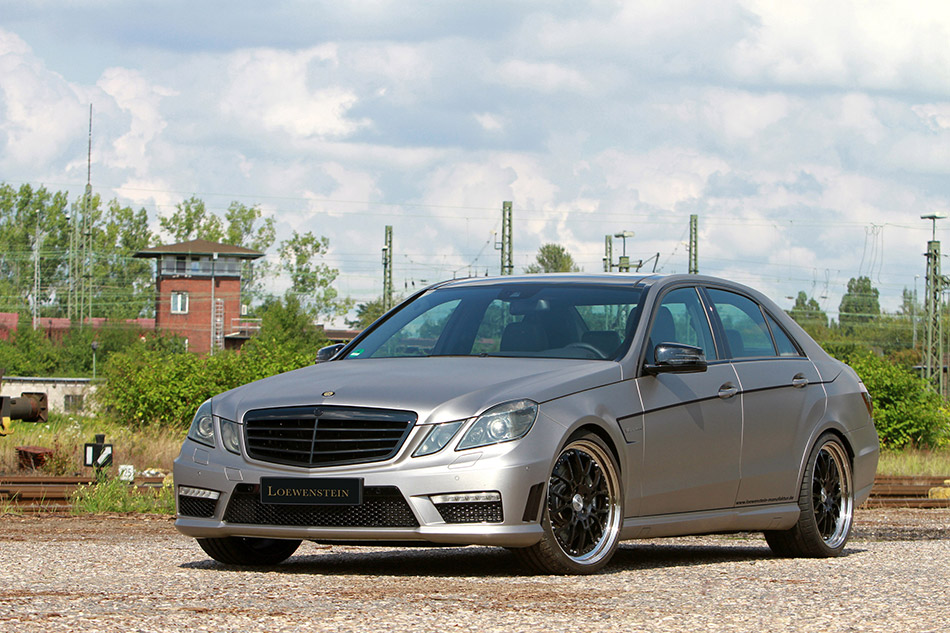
(179, 303)
(72, 402)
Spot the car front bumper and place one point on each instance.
(515, 471)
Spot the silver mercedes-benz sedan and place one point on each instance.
(555, 415)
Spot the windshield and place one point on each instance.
(547, 320)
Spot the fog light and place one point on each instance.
(466, 497)
(201, 493)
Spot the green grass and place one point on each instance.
(152, 447)
(114, 495)
(915, 462)
(8, 507)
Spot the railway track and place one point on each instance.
(52, 494)
(31, 494)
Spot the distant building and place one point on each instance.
(198, 293)
(57, 327)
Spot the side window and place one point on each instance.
(746, 332)
(179, 303)
(419, 336)
(495, 321)
(784, 344)
(681, 319)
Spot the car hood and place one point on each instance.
(438, 389)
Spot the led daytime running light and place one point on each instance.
(466, 497)
(200, 493)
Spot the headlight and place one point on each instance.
(439, 435)
(230, 432)
(202, 426)
(503, 423)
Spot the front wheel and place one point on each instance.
(583, 511)
(826, 501)
(241, 550)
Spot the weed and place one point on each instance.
(114, 495)
(915, 462)
(7, 506)
(145, 448)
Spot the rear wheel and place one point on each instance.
(826, 501)
(241, 550)
(583, 510)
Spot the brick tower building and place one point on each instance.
(198, 292)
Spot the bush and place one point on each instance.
(145, 386)
(907, 410)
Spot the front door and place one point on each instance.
(692, 422)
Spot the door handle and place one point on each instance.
(799, 381)
(728, 390)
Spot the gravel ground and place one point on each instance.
(136, 573)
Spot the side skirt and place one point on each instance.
(745, 519)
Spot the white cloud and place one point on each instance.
(878, 45)
(935, 115)
(789, 128)
(543, 77)
(272, 89)
(41, 111)
(489, 122)
(134, 95)
(661, 178)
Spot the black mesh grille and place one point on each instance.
(382, 507)
(196, 506)
(485, 512)
(325, 436)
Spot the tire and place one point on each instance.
(240, 550)
(826, 501)
(583, 510)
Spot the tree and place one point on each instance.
(242, 228)
(366, 313)
(807, 309)
(285, 322)
(311, 280)
(808, 314)
(553, 258)
(192, 221)
(246, 227)
(31, 221)
(860, 303)
(122, 285)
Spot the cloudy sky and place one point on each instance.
(809, 137)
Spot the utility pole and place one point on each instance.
(936, 284)
(608, 253)
(85, 240)
(693, 244)
(507, 257)
(37, 244)
(71, 267)
(388, 270)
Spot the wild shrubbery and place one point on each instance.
(908, 412)
(150, 387)
(145, 386)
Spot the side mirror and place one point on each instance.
(676, 358)
(328, 352)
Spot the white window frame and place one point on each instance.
(179, 303)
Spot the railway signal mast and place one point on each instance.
(936, 284)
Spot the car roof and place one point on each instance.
(618, 279)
